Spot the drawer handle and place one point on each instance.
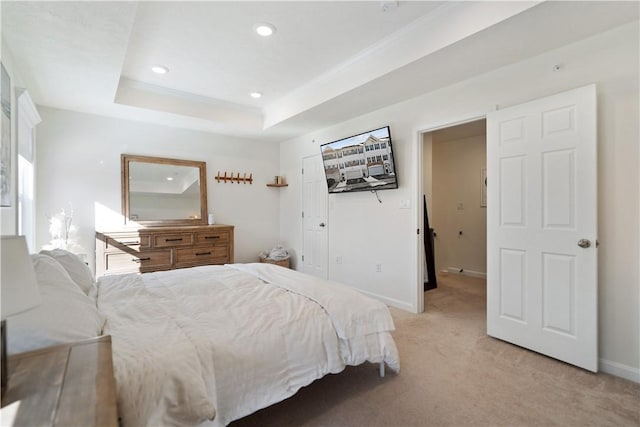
(202, 253)
(140, 259)
(179, 239)
(130, 243)
(211, 237)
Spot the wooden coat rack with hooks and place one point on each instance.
(234, 178)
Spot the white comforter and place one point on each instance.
(218, 343)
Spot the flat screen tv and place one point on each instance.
(362, 162)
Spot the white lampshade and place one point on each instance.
(18, 285)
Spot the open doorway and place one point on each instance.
(536, 252)
(454, 186)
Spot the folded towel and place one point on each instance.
(279, 253)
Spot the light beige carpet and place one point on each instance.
(453, 374)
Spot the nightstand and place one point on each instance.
(63, 385)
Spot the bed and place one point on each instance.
(209, 345)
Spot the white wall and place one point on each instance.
(365, 232)
(456, 179)
(78, 162)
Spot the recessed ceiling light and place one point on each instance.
(169, 178)
(159, 69)
(264, 29)
(256, 95)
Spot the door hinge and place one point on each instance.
(302, 257)
(302, 214)
(418, 231)
(302, 171)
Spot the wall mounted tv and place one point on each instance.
(362, 162)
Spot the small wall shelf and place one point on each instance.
(277, 185)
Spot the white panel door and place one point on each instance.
(314, 220)
(541, 226)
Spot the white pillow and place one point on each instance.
(50, 272)
(77, 269)
(66, 314)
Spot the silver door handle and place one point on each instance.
(584, 243)
(321, 224)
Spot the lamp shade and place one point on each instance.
(18, 285)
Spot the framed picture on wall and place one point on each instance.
(483, 187)
(5, 141)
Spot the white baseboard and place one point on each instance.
(471, 273)
(619, 370)
(390, 301)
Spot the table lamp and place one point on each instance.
(18, 286)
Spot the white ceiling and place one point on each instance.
(212, 51)
(327, 62)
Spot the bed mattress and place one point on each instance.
(209, 345)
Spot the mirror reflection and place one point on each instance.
(161, 191)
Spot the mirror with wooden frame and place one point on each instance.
(157, 191)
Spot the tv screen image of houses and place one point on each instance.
(362, 162)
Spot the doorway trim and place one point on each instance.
(418, 249)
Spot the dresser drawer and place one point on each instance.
(164, 240)
(132, 241)
(123, 262)
(212, 237)
(202, 255)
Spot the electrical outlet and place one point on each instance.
(460, 206)
(378, 268)
(339, 260)
(405, 204)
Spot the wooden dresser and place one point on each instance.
(163, 248)
(64, 385)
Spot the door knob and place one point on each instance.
(584, 243)
(321, 224)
